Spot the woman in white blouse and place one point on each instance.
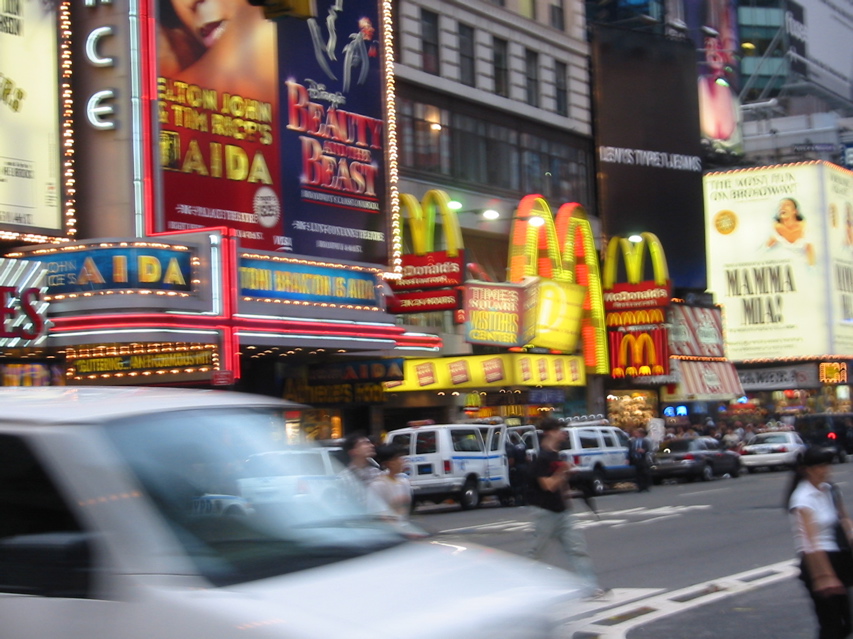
(392, 486)
(822, 531)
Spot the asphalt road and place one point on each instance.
(685, 541)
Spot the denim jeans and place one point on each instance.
(548, 525)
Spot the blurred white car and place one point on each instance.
(778, 449)
(296, 473)
(114, 523)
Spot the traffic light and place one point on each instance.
(287, 8)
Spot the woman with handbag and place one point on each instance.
(821, 537)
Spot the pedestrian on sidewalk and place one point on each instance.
(362, 468)
(639, 454)
(822, 531)
(552, 516)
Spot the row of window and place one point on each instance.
(430, 62)
(483, 152)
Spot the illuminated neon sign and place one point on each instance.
(568, 244)
(96, 268)
(292, 280)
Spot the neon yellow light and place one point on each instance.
(422, 222)
(635, 260)
(551, 250)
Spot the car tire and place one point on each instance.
(596, 483)
(707, 473)
(470, 496)
(736, 472)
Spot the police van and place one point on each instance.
(599, 452)
(463, 462)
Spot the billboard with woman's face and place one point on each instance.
(218, 109)
(256, 136)
(780, 259)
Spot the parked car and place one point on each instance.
(456, 461)
(693, 458)
(774, 449)
(830, 430)
(308, 473)
(102, 534)
(599, 451)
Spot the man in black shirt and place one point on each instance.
(639, 457)
(552, 516)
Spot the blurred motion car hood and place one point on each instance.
(420, 589)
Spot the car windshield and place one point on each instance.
(770, 438)
(243, 503)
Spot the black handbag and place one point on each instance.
(842, 561)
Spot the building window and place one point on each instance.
(429, 41)
(423, 137)
(561, 87)
(557, 17)
(395, 30)
(467, 65)
(482, 149)
(527, 8)
(531, 72)
(500, 61)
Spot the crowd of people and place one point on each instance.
(821, 528)
(732, 434)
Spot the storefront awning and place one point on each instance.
(704, 381)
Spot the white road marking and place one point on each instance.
(705, 492)
(613, 618)
(613, 518)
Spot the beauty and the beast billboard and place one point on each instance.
(274, 129)
(648, 144)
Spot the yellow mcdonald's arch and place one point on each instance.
(637, 357)
(562, 250)
(421, 216)
(580, 261)
(635, 260)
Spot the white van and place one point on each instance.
(600, 453)
(456, 461)
(102, 534)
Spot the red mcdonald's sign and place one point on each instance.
(639, 353)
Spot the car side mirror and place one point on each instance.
(57, 564)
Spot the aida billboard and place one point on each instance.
(780, 259)
(30, 189)
(274, 129)
(648, 144)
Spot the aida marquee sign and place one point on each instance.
(84, 268)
